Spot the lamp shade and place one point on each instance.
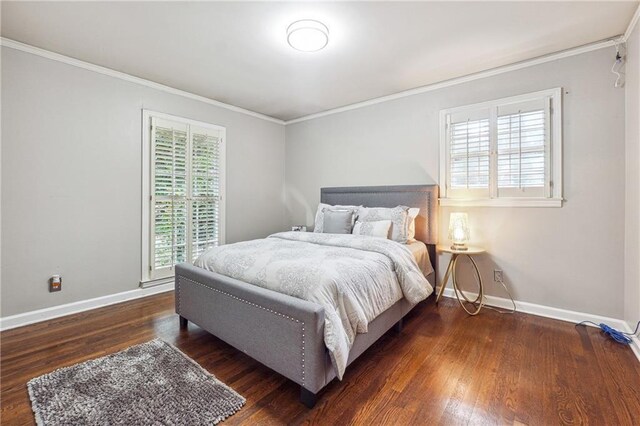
(459, 230)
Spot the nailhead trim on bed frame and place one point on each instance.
(249, 303)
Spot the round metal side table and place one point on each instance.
(451, 271)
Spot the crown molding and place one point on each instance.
(12, 44)
(423, 89)
(632, 25)
(467, 78)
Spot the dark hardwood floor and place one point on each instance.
(444, 368)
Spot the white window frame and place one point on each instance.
(148, 279)
(554, 196)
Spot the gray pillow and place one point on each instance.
(337, 221)
(319, 220)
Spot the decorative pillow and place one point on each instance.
(319, 221)
(397, 215)
(378, 228)
(411, 224)
(337, 221)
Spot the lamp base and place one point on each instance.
(459, 247)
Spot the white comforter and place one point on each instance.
(354, 278)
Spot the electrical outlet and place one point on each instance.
(55, 283)
(497, 275)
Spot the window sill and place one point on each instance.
(501, 202)
(155, 282)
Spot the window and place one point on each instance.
(506, 152)
(183, 209)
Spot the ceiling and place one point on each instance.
(236, 52)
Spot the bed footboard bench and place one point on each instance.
(282, 332)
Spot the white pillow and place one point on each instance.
(319, 221)
(378, 228)
(411, 224)
(397, 215)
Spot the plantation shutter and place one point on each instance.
(185, 193)
(468, 136)
(169, 195)
(523, 149)
(505, 152)
(205, 178)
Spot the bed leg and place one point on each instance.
(183, 322)
(307, 397)
(398, 326)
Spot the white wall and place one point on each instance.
(632, 207)
(71, 178)
(570, 257)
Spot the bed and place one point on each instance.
(286, 333)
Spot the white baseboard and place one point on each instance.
(27, 318)
(635, 344)
(555, 313)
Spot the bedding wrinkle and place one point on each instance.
(354, 278)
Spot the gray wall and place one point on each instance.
(632, 220)
(71, 184)
(71, 178)
(570, 257)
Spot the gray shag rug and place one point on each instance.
(148, 384)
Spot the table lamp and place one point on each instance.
(459, 230)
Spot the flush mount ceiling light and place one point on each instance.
(308, 35)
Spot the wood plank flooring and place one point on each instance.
(444, 368)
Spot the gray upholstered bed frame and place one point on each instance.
(286, 333)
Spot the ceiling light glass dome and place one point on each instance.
(308, 35)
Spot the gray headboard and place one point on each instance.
(424, 197)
